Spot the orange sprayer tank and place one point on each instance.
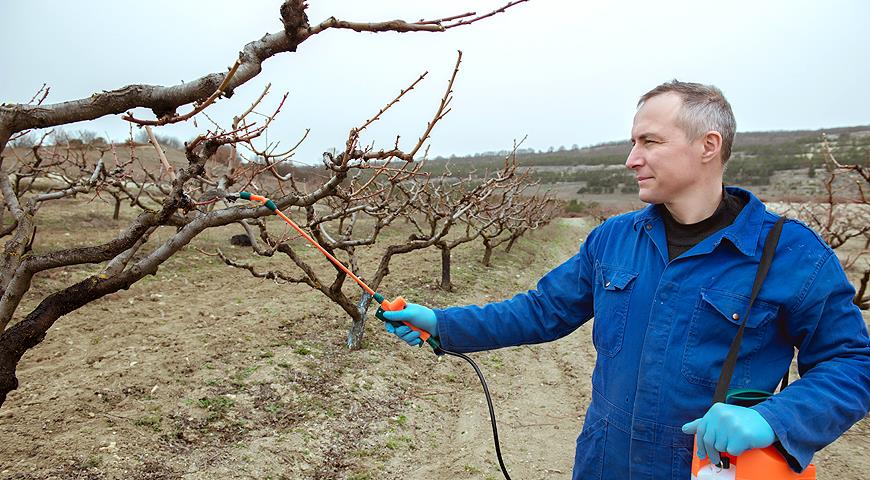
(757, 464)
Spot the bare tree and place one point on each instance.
(446, 210)
(842, 215)
(176, 196)
(538, 213)
(353, 217)
(520, 214)
(350, 217)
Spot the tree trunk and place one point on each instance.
(510, 244)
(445, 269)
(117, 208)
(16, 340)
(487, 255)
(860, 300)
(354, 310)
(358, 327)
(26, 334)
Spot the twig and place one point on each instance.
(440, 112)
(393, 102)
(481, 17)
(160, 153)
(254, 104)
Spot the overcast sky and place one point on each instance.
(562, 72)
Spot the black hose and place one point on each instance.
(488, 404)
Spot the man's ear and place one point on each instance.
(711, 143)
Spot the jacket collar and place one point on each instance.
(743, 233)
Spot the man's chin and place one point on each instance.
(647, 196)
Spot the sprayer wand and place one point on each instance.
(384, 305)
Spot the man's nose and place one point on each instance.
(634, 159)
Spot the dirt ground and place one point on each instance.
(204, 372)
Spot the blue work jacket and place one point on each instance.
(662, 330)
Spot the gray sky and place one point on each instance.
(562, 72)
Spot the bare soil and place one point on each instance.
(204, 372)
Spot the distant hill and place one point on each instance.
(776, 163)
(755, 158)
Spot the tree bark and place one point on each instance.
(487, 254)
(446, 284)
(28, 333)
(859, 300)
(357, 328)
(510, 244)
(357, 315)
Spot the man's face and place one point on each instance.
(664, 161)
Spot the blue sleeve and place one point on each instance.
(561, 302)
(834, 363)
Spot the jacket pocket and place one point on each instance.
(612, 294)
(589, 456)
(715, 321)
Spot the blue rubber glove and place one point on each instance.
(729, 428)
(417, 315)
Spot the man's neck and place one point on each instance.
(695, 208)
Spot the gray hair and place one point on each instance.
(704, 109)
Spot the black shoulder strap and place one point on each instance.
(763, 267)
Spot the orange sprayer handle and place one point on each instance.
(399, 304)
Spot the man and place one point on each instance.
(667, 286)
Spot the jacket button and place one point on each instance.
(735, 316)
(608, 284)
(648, 226)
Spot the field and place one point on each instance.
(203, 372)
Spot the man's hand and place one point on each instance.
(417, 315)
(729, 428)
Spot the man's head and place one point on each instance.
(682, 136)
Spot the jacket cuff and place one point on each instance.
(797, 458)
(443, 328)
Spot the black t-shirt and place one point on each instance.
(682, 237)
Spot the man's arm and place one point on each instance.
(834, 362)
(561, 303)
